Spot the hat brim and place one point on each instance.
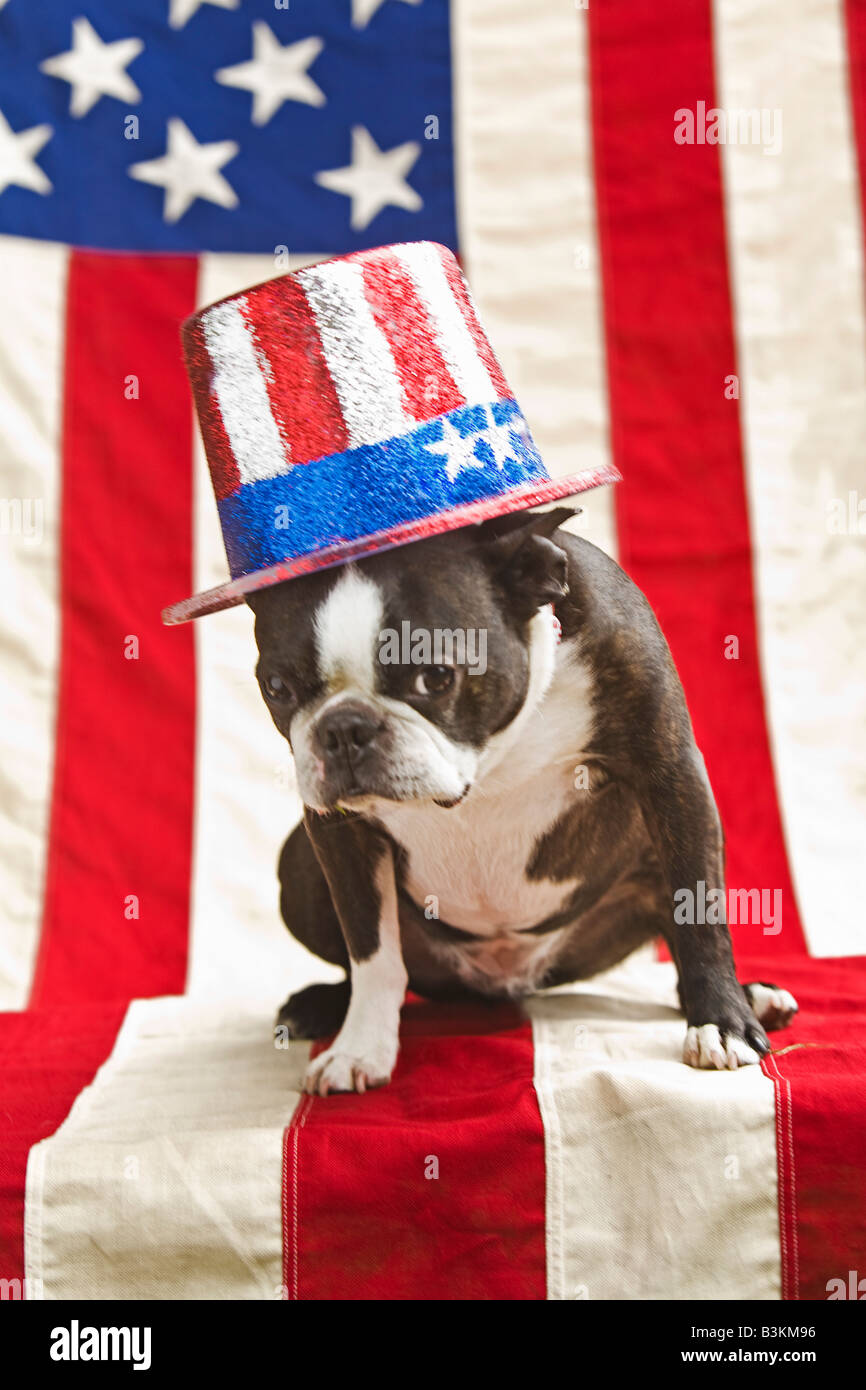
(234, 591)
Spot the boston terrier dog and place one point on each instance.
(501, 785)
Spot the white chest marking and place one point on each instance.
(468, 864)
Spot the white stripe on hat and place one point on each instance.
(452, 335)
(31, 394)
(357, 353)
(795, 235)
(242, 394)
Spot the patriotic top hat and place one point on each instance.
(350, 407)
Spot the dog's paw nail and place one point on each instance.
(739, 1053)
(758, 1042)
(336, 1071)
(706, 1047)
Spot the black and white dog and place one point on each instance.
(493, 829)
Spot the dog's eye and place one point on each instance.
(277, 689)
(435, 680)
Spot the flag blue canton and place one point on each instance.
(226, 125)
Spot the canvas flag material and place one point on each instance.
(562, 1152)
(692, 311)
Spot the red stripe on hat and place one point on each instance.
(431, 1188)
(428, 387)
(121, 821)
(224, 472)
(461, 294)
(682, 511)
(300, 388)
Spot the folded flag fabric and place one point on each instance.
(560, 1152)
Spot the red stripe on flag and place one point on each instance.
(432, 1188)
(121, 824)
(818, 1068)
(682, 511)
(46, 1059)
(855, 22)
(300, 388)
(428, 387)
(467, 308)
(224, 472)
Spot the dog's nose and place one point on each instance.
(347, 729)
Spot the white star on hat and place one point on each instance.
(94, 69)
(188, 171)
(183, 10)
(499, 437)
(275, 73)
(363, 10)
(457, 450)
(18, 151)
(375, 179)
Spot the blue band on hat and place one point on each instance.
(466, 455)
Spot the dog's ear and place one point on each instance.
(524, 560)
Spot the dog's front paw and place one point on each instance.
(709, 1047)
(723, 1032)
(344, 1067)
(315, 1012)
(774, 1006)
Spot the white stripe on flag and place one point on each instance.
(796, 245)
(528, 225)
(31, 391)
(164, 1182)
(358, 355)
(240, 389)
(245, 799)
(452, 335)
(661, 1179)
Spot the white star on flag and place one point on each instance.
(188, 171)
(18, 151)
(94, 69)
(375, 178)
(458, 452)
(275, 73)
(363, 10)
(183, 10)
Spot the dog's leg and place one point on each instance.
(358, 865)
(722, 1028)
(308, 912)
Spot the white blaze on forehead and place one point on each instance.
(347, 630)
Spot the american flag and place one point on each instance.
(691, 309)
